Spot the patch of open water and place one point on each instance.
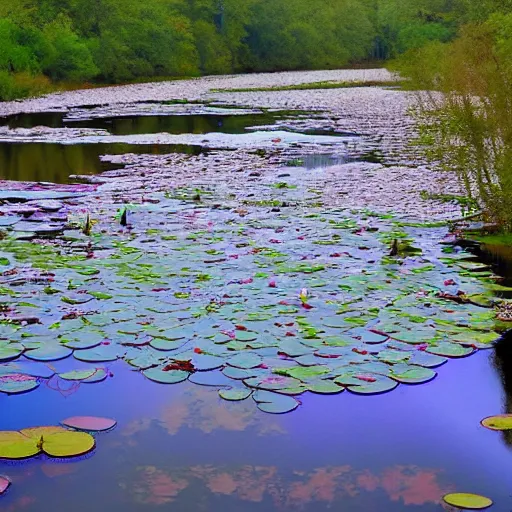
(144, 124)
(55, 163)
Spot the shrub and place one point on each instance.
(465, 125)
(22, 85)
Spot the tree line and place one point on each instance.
(114, 41)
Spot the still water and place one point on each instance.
(56, 162)
(182, 448)
(134, 125)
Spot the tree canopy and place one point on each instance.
(116, 41)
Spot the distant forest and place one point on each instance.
(115, 41)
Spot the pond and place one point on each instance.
(258, 348)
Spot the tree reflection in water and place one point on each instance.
(503, 364)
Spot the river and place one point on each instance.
(238, 245)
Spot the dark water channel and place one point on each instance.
(56, 162)
(142, 124)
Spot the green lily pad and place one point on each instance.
(336, 322)
(167, 345)
(66, 443)
(78, 375)
(14, 445)
(246, 336)
(369, 337)
(205, 362)
(413, 375)
(303, 373)
(450, 349)
(368, 384)
(499, 422)
(103, 353)
(274, 403)
(235, 394)
(82, 341)
(99, 375)
(17, 383)
(476, 338)
(293, 349)
(165, 377)
(324, 387)
(240, 373)
(393, 356)
(212, 378)
(245, 361)
(467, 501)
(426, 360)
(8, 353)
(54, 441)
(272, 382)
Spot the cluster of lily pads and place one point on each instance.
(54, 441)
(72, 439)
(317, 300)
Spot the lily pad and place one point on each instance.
(274, 403)
(101, 354)
(14, 445)
(78, 374)
(467, 501)
(413, 375)
(167, 345)
(368, 384)
(235, 394)
(427, 360)
(67, 444)
(165, 377)
(245, 361)
(272, 382)
(8, 353)
(49, 352)
(17, 383)
(90, 423)
(499, 422)
(212, 378)
(240, 373)
(324, 387)
(450, 350)
(303, 373)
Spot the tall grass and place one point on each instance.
(22, 85)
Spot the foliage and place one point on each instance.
(467, 127)
(123, 40)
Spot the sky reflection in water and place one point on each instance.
(183, 445)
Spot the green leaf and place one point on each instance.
(467, 501)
